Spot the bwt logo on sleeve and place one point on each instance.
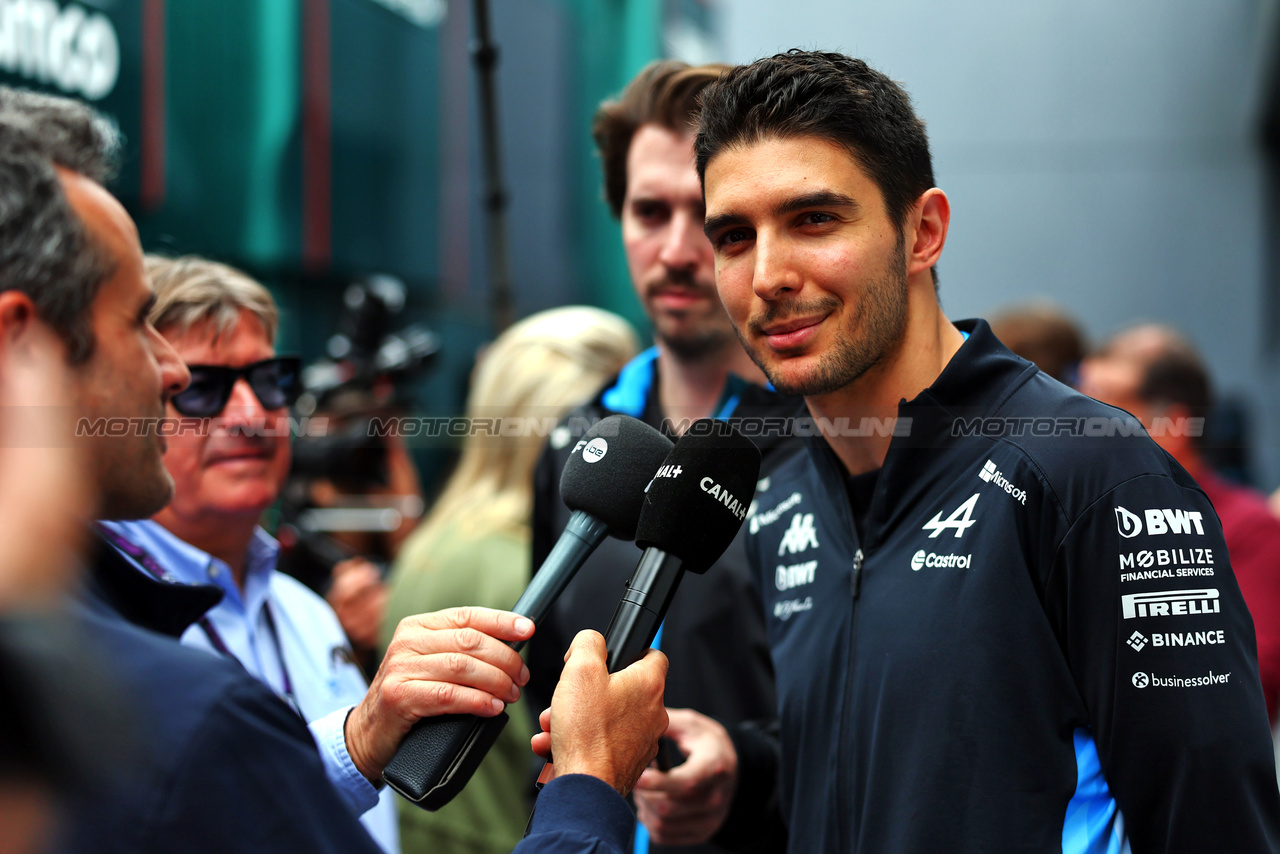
(1165, 521)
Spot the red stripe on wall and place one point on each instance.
(151, 191)
(317, 201)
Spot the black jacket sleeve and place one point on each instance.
(578, 814)
(251, 780)
(1162, 649)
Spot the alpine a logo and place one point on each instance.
(992, 475)
(1169, 603)
(959, 520)
(922, 559)
(1162, 521)
(800, 536)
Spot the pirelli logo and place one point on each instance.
(1169, 603)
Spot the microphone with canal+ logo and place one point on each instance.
(692, 510)
(603, 483)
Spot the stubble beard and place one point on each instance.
(136, 489)
(878, 328)
(693, 340)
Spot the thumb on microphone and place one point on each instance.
(602, 724)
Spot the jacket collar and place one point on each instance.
(163, 606)
(978, 380)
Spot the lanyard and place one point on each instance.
(144, 559)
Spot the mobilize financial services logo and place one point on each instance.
(1163, 521)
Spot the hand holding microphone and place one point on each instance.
(692, 510)
(603, 483)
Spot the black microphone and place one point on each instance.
(603, 483)
(692, 510)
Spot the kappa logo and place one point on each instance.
(800, 536)
(960, 519)
(1161, 521)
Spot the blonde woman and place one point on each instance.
(473, 548)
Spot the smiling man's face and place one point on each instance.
(668, 255)
(233, 464)
(810, 267)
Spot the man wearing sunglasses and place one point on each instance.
(228, 455)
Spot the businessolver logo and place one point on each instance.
(1169, 603)
(1159, 521)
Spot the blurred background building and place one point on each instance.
(1120, 160)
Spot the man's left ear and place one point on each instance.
(927, 231)
(17, 313)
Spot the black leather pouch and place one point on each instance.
(439, 755)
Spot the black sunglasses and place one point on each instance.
(276, 382)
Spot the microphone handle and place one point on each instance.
(640, 612)
(581, 536)
(439, 754)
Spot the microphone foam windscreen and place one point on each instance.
(608, 470)
(700, 495)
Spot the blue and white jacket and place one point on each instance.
(1039, 645)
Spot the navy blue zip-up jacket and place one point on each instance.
(1037, 646)
(226, 766)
